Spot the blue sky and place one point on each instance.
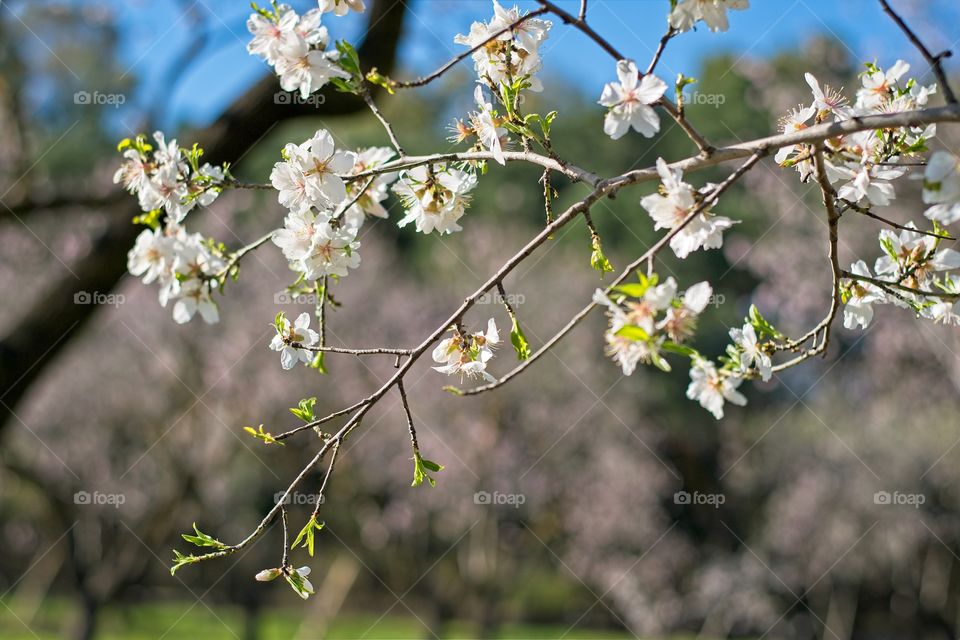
(154, 31)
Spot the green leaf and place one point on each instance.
(349, 59)
(304, 410)
(306, 536)
(633, 332)
(761, 324)
(547, 122)
(597, 260)
(317, 363)
(519, 341)
(202, 539)
(679, 349)
(420, 468)
(180, 560)
(298, 584)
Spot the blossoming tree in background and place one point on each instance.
(856, 149)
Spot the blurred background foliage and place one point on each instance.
(133, 404)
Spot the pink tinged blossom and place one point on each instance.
(629, 102)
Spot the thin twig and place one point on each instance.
(365, 94)
(419, 82)
(896, 225)
(935, 61)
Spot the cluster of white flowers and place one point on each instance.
(912, 260)
(861, 166)
(295, 46)
(514, 54)
(686, 13)
(167, 178)
(629, 100)
(184, 265)
(673, 204)
(435, 196)
(647, 318)
(290, 340)
(467, 354)
(319, 236)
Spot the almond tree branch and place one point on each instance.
(419, 82)
(935, 61)
(833, 222)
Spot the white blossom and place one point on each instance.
(485, 125)
(370, 202)
(714, 12)
(193, 296)
(629, 102)
(269, 35)
(710, 388)
(751, 352)
(859, 308)
(912, 258)
(512, 55)
(310, 174)
(435, 197)
(879, 85)
(304, 69)
(298, 333)
(941, 187)
(670, 208)
(342, 7)
(680, 321)
(333, 250)
(468, 354)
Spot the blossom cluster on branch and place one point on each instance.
(855, 152)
